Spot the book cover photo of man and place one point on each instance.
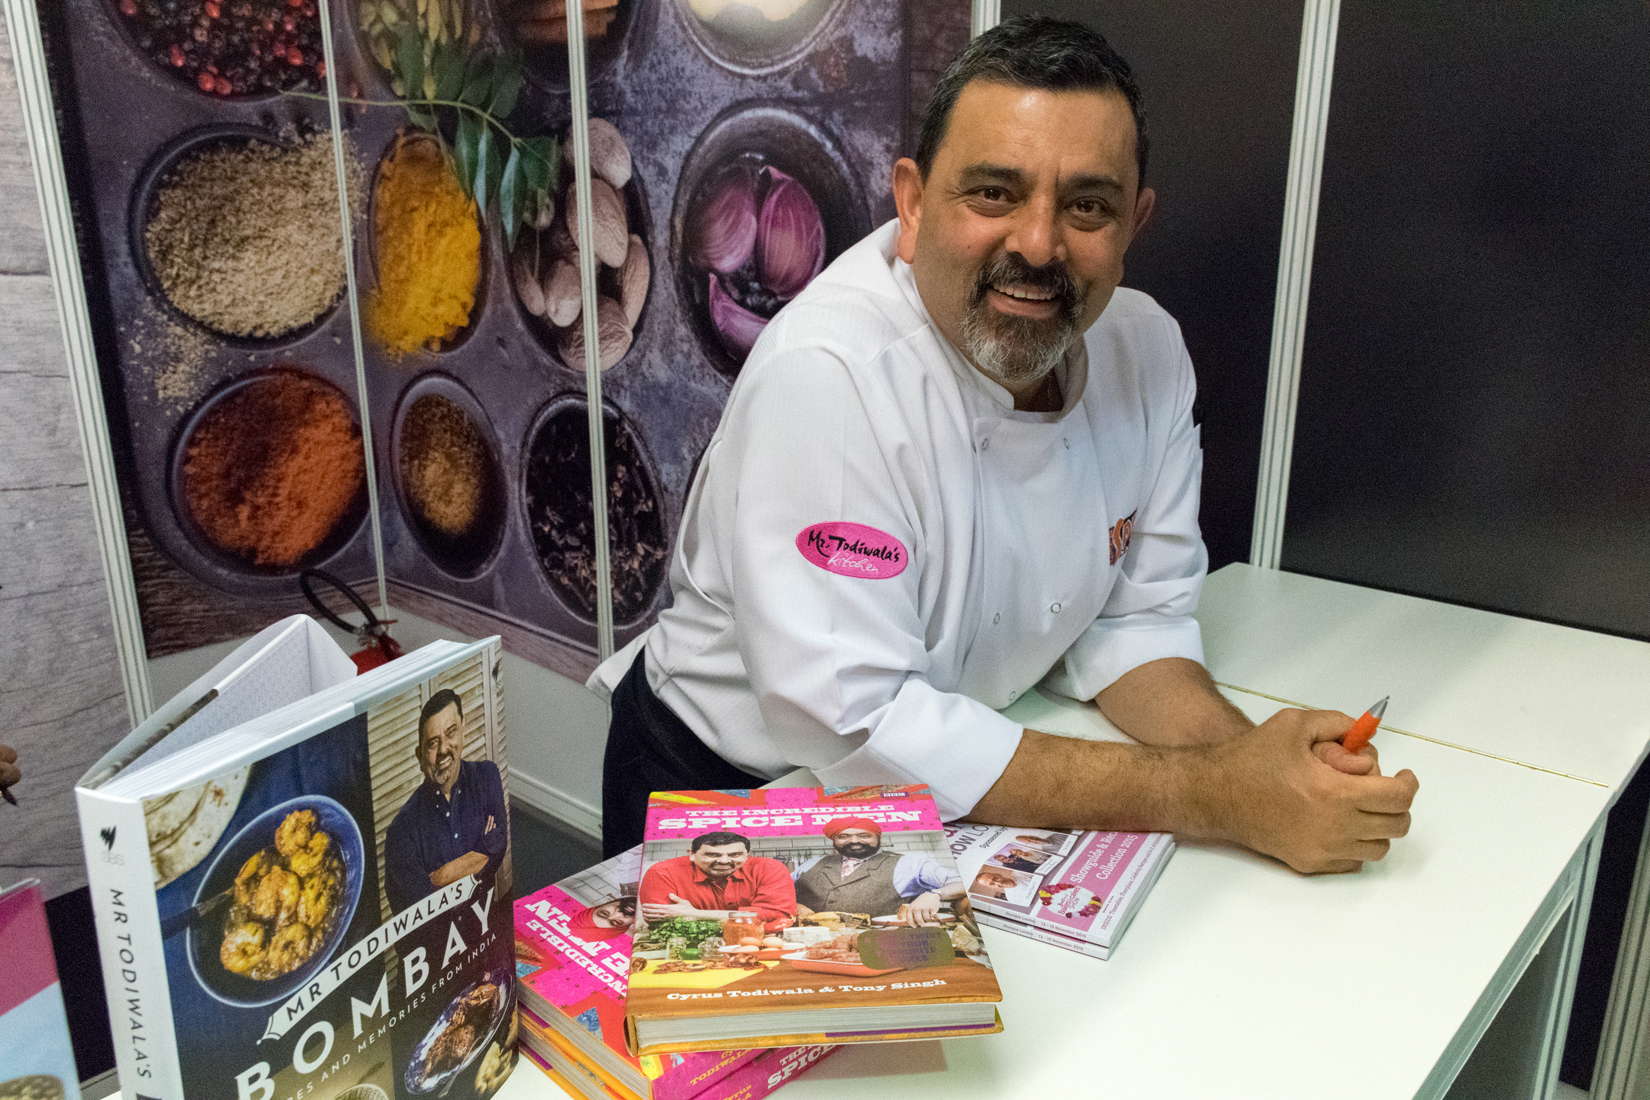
(454, 823)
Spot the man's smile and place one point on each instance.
(1023, 301)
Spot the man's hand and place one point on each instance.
(491, 825)
(1289, 790)
(470, 863)
(680, 908)
(925, 909)
(9, 771)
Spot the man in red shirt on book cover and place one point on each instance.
(719, 879)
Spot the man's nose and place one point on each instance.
(1036, 234)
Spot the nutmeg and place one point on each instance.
(633, 279)
(563, 297)
(525, 279)
(614, 336)
(609, 155)
(610, 233)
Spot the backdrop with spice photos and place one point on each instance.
(251, 439)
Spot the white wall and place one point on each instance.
(556, 729)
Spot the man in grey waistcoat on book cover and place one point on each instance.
(859, 877)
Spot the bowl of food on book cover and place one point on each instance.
(462, 1031)
(290, 881)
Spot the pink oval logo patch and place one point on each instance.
(853, 550)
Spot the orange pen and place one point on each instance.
(1364, 728)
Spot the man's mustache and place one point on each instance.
(1012, 268)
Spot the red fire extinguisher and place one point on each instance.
(377, 647)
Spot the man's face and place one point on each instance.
(720, 860)
(856, 843)
(440, 746)
(1016, 239)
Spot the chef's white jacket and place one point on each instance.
(853, 408)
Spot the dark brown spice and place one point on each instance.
(563, 522)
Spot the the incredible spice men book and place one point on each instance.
(301, 878)
(573, 959)
(811, 915)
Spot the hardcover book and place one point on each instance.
(795, 916)
(1077, 890)
(573, 958)
(301, 878)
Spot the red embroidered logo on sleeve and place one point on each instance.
(853, 550)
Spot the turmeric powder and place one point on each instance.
(429, 251)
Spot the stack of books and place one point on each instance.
(573, 960)
(846, 924)
(1076, 890)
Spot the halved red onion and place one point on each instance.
(737, 326)
(790, 237)
(726, 232)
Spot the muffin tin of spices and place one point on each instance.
(822, 101)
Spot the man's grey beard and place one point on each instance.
(1020, 349)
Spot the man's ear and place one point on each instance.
(908, 201)
(1144, 204)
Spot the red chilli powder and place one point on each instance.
(273, 468)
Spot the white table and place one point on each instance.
(1550, 696)
(1240, 978)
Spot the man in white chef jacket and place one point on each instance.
(960, 463)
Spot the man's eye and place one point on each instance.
(1090, 210)
(993, 194)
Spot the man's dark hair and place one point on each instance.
(439, 702)
(717, 839)
(1033, 51)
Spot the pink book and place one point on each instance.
(1079, 888)
(36, 1056)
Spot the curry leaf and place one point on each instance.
(409, 62)
(486, 177)
(478, 80)
(506, 85)
(465, 146)
(449, 70)
(511, 191)
(543, 161)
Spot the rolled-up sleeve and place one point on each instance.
(1148, 614)
(839, 663)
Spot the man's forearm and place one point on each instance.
(1057, 782)
(470, 863)
(1171, 701)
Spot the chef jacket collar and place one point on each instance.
(1072, 372)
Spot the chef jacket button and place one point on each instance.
(997, 618)
(1013, 695)
(985, 444)
(1054, 607)
(1067, 442)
